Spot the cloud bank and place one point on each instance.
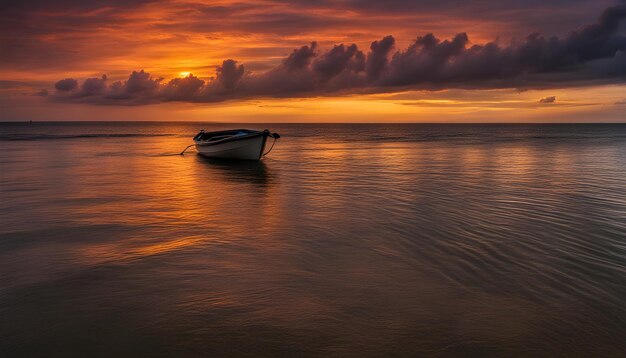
(590, 55)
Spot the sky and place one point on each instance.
(314, 61)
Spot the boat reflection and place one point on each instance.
(250, 171)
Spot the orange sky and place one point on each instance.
(43, 43)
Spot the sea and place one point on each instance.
(425, 240)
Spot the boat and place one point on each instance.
(234, 144)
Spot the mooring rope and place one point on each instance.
(183, 152)
(272, 147)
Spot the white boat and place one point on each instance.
(234, 144)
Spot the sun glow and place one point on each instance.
(184, 74)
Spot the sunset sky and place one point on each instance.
(308, 61)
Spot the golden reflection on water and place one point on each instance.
(132, 249)
(400, 242)
(168, 192)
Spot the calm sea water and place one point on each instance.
(368, 240)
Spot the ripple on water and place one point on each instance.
(383, 240)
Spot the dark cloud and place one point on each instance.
(378, 57)
(550, 99)
(590, 55)
(426, 60)
(42, 93)
(182, 88)
(432, 63)
(66, 85)
(300, 58)
(139, 85)
(339, 59)
(139, 88)
(229, 74)
(93, 86)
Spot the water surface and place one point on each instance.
(369, 240)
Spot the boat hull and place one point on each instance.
(247, 148)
